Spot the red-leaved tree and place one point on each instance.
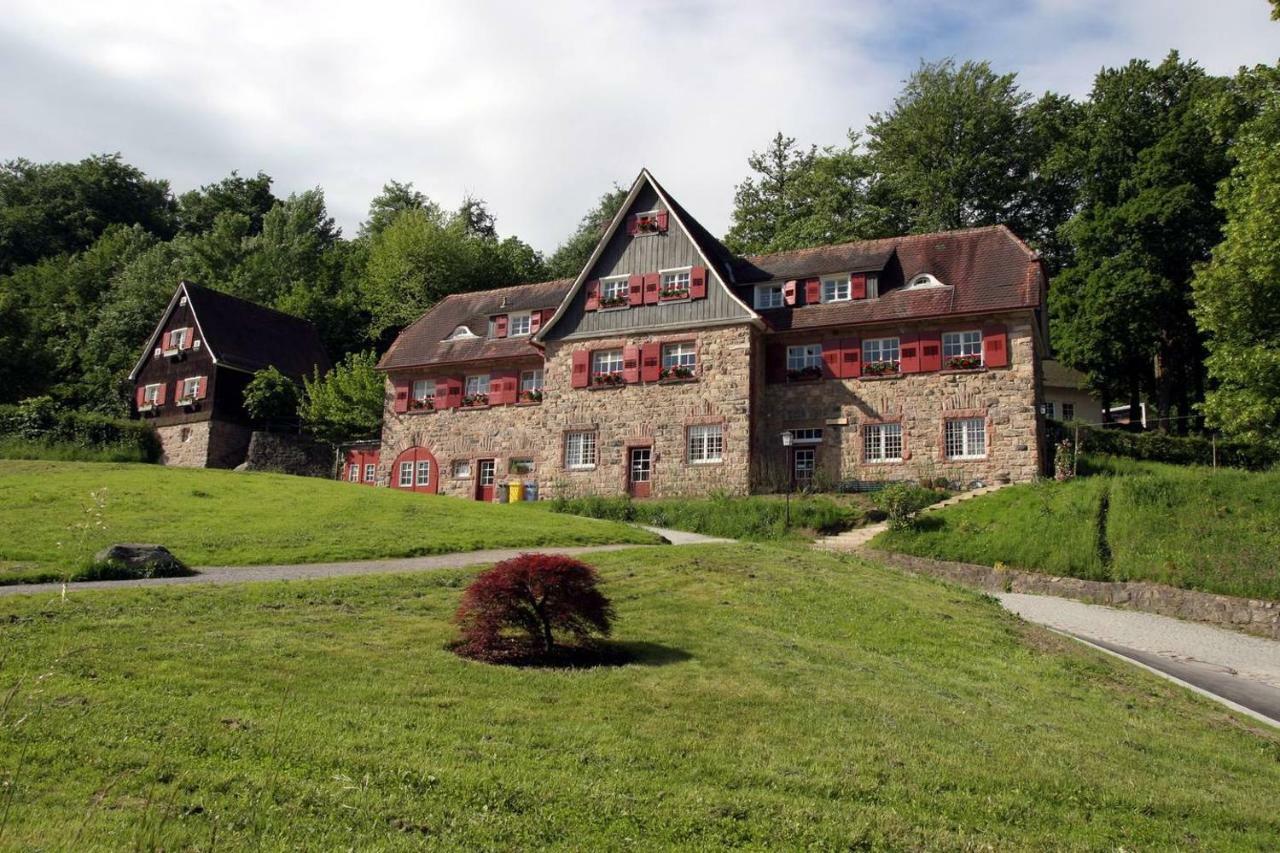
(537, 595)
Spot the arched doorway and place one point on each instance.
(415, 470)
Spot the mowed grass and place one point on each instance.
(779, 698)
(1192, 527)
(230, 518)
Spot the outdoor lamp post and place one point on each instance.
(791, 479)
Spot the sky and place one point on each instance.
(536, 107)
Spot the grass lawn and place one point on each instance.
(1193, 527)
(780, 698)
(229, 518)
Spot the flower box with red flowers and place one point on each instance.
(475, 401)
(607, 380)
(964, 362)
(880, 368)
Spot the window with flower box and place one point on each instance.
(966, 438)
(606, 367)
(614, 292)
(880, 356)
(476, 390)
(531, 386)
(962, 350)
(706, 444)
(151, 395)
(804, 361)
(190, 390)
(423, 394)
(679, 361)
(580, 450)
(882, 443)
(675, 284)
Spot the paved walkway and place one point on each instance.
(1242, 669)
(308, 571)
(852, 540)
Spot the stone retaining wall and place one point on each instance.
(289, 454)
(1252, 616)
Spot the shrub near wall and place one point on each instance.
(1162, 447)
(39, 428)
(752, 518)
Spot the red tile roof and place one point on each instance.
(426, 340)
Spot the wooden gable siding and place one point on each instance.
(650, 253)
(224, 391)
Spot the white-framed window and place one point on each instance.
(518, 325)
(1068, 411)
(178, 339)
(882, 443)
(675, 283)
(424, 472)
(406, 475)
(353, 474)
(606, 361)
(520, 466)
(370, 472)
(531, 380)
(424, 389)
(966, 438)
(461, 333)
(680, 355)
(190, 388)
(836, 289)
(955, 344)
(1048, 409)
(924, 280)
(615, 289)
(706, 444)
(580, 450)
(879, 350)
(805, 459)
(769, 296)
(150, 394)
(805, 355)
(462, 469)
(873, 287)
(478, 384)
(809, 435)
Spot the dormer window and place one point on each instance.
(518, 324)
(461, 333)
(836, 288)
(924, 279)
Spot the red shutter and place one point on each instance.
(635, 290)
(164, 340)
(832, 351)
(851, 358)
(581, 377)
(631, 364)
(502, 388)
(995, 346)
(140, 396)
(189, 337)
(631, 225)
(651, 281)
(775, 363)
(789, 292)
(535, 321)
(650, 362)
(930, 351)
(593, 294)
(441, 396)
(698, 283)
(449, 392)
(662, 220)
(161, 394)
(401, 396)
(202, 387)
(858, 285)
(909, 354)
(812, 291)
(500, 326)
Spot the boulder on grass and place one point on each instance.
(130, 561)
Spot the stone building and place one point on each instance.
(190, 380)
(668, 366)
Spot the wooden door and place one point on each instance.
(639, 471)
(486, 474)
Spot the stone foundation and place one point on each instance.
(203, 444)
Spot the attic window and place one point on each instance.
(461, 333)
(925, 280)
(649, 222)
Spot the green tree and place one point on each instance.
(347, 402)
(272, 396)
(250, 197)
(769, 202)
(394, 199)
(1237, 293)
(572, 255)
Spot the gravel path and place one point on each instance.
(1238, 667)
(307, 571)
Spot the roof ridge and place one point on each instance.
(895, 239)
(504, 287)
(258, 305)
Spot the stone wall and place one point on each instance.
(1252, 616)
(1006, 397)
(203, 444)
(655, 415)
(289, 454)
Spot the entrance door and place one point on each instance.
(486, 470)
(802, 465)
(639, 471)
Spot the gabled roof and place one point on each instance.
(245, 336)
(983, 269)
(426, 340)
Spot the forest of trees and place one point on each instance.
(1155, 202)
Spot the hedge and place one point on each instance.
(44, 423)
(1163, 447)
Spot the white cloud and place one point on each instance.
(535, 107)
